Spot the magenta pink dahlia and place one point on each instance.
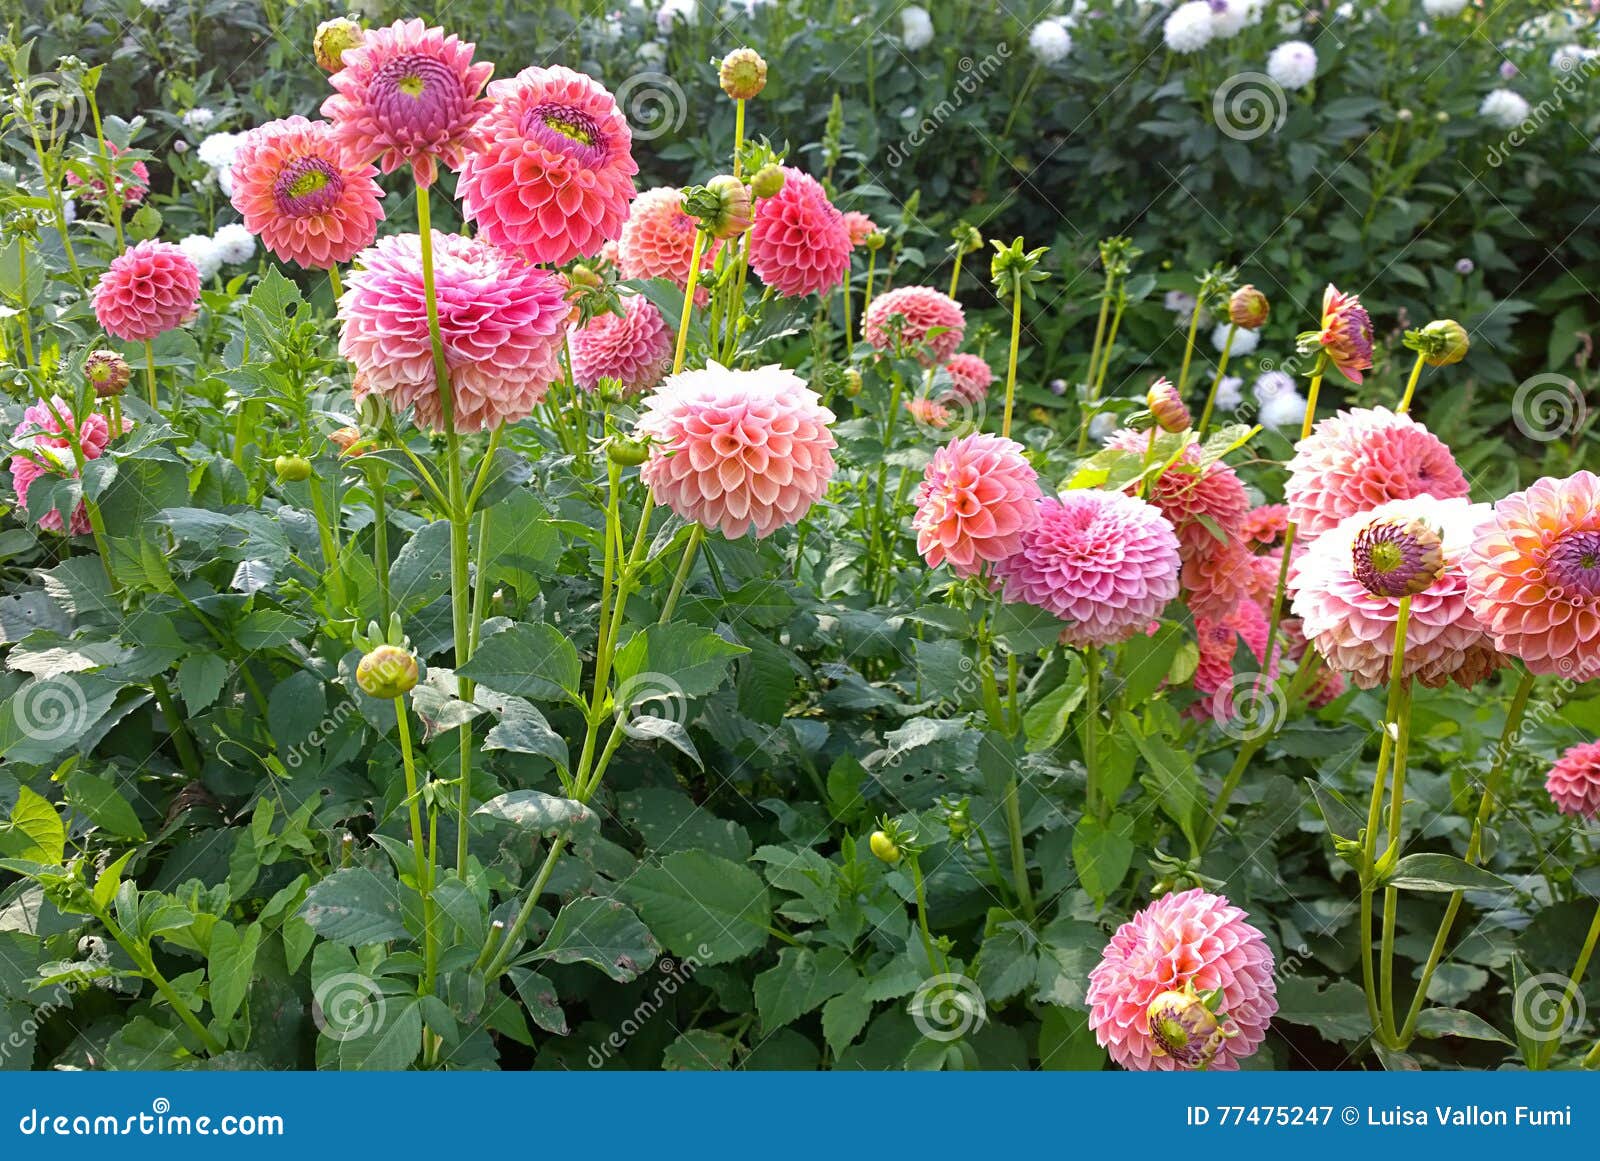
(799, 243)
(42, 450)
(741, 451)
(969, 377)
(658, 239)
(634, 348)
(1219, 647)
(131, 186)
(150, 288)
(1346, 333)
(1190, 941)
(502, 321)
(1574, 781)
(915, 319)
(555, 178)
(978, 496)
(408, 95)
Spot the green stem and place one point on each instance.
(935, 962)
(1222, 369)
(1188, 349)
(150, 373)
(738, 133)
(378, 483)
(1091, 733)
(513, 936)
(1090, 394)
(145, 961)
(1019, 853)
(419, 847)
(328, 534)
(1011, 363)
(1379, 1008)
(1411, 384)
(187, 755)
(696, 535)
(695, 253)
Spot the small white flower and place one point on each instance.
(1102, 426)
(1293, 65)
(1050, 41)
(199, 119)
(1440, 9)
(1228, 18)
(1285, 410)
(1230, 393)
(1570, 56)
(234, 244)
(1244, 339)
(1178, 303)
(69, 211)
(1504, 109)
(916, 27)
(156, 5)
(652, 52)
(218, 150)
(673, 12)
(1188, 29)
(202, 251)
(1271, 384)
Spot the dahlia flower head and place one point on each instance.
(150, 288)
(1189, 938)
(502, 321)
(1574, 781)
(555, 175)
(1353, 628)
(969, 377)
(1355, 460)
(408, 95)
(131, 186)
(928, 413)
(740, 451)
(41, 430)
(923, 309)
(1189, 27)
(634, 348)
(1292, 65)
(1264, 526)
(658, 239)
(1105, 562)
(978, 496)
(300, 194)
(1504, 108)
(859, 226)
(1346, 334)
(1534, 576)
(1214, 677)
(799, 243)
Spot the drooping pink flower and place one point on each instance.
(658, 239)
(1534, 576)
(799, 243)
(740, 451)
(502, 321)
(1356, 460)
(634, 348)
(408, 95)
(1103, 561)
(978, 496)
(1574, 781)
(859, 226)
(555, 178)
(1190, 940)
(1346, 333)
(300, 195)
(43, 450)
(150, 288)
(969, 377)
(915, 319)
(131, 186)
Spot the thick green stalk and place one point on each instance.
(690, 550)
(1411, 384)
(419, 849)
(1216, 382)
(1011, 362)
(1188, 349)
(150, 373)
(1377, 1006)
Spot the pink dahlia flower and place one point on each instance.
(859, 226)
(658, 239)
(555, 178)
(131, 186)
(1346, 333)
(1356, 460)
(969, 376)
(978, 496)
(40, 426)
(1534, 576)
(634, 348)
(300, 195)
(1574, 781)
(408, 95)
(1264, 527)
(799, 243)
(1104, 561)
(737, 450)
(148, 289)
(901, 319)
(502, 321)
(929, 412)
(1188, 939)
(1354, 628)
(44, 451)
(1219, 646)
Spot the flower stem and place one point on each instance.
(690, 550)
(695, 253)
(1222, 368)
(150, 373)
(1090, 394)
(1411, 384)
(955, 273)
(935, 963)
(1379, 1010)
(328, 534)
(419, 849)
(1011, 362)
(738, 133)
(1091, 733)
(1188, 349)
(336, 286)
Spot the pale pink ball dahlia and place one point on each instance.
(42, 450)
(1574, 781)
(634, 348)
(969, 378)
(1534, 576)
(658, 239)
(978, 496)
(741, 451)
(1192, 938)
(300, 195)
(408, 95)
(1353, 628)
(859, 226)
(555, 178)
(150, 288)
(502, 321)
(1355, 460)
(799, 243)
(131, 185)
(902, 319)
(1104, 561)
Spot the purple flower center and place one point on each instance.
(417, 94)
(307, 186)
(1389, 560)
(568, 131)
(1574, 563)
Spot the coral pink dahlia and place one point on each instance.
(1264, 527)
(1574, 781)
(799, 243)
(300, 195)
(1104, 561)
(502, 321)
(929, 412)
(978, 496)
(634, 348)
(1188, 939)
(408, 94)
(1346, 334)
(902, 319)
(555, 178)
(969, 377)
(131, 186)
(737, 450)
(1219, 646)
(859, 226)
(658, 239)
(42, 450)
(148, 289)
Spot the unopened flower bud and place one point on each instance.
(730, 216)
(767, 182)
(1443, 342)
(1397, 558)
(108, 373)
(852, 382)
(628, 453)
(743, 74)
(884, 847)
(387, 672)
(1185, 1029)
(875, 240)
(346, 438)
(292, 468)
(333, 38)
(1167, 406)
(1248, 308)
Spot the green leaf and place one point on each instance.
(802, 981)
(1338, 1012)
(699, 1050)
(420, 573)
(1026, 629)
(1439, 872)
(1143, 662)
(544, 814)
(602, 932)
(1436, 1022)
(394, 1040)
(703, 906)
(692, 659)
(35, 830)
(1067, 1043)
(104, 804)
(1045, 720)
(200, 680)
(355, 907)
(1102, 852)
(845, 1015)
(539, 995)
(231, 964)
(530, 660)
(1169, 776)
(265, 628)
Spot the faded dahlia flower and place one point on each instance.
(501, 319)
(408, 95)
(799, 243)
(634, 348)
(131, 186)
(150, 288)
(978, 496)
(1534, 576)
(859, 226)
(740, 451)
(555, 177)
(929, 412)
(970, 378)
(1219, 646)
(1346, 333)
(1103, 561)
(298, 192)
(42, 450)
(1192, 939)
(1574, 781)
(1356, 460)
(658, 239)
(901, 319)
(1353, 628)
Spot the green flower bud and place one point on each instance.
(628, 453)
(387, 672)
(743, 74)
(884, 847)
(1444, 341)
(767, 182)
(292, 468)
(333, 38)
